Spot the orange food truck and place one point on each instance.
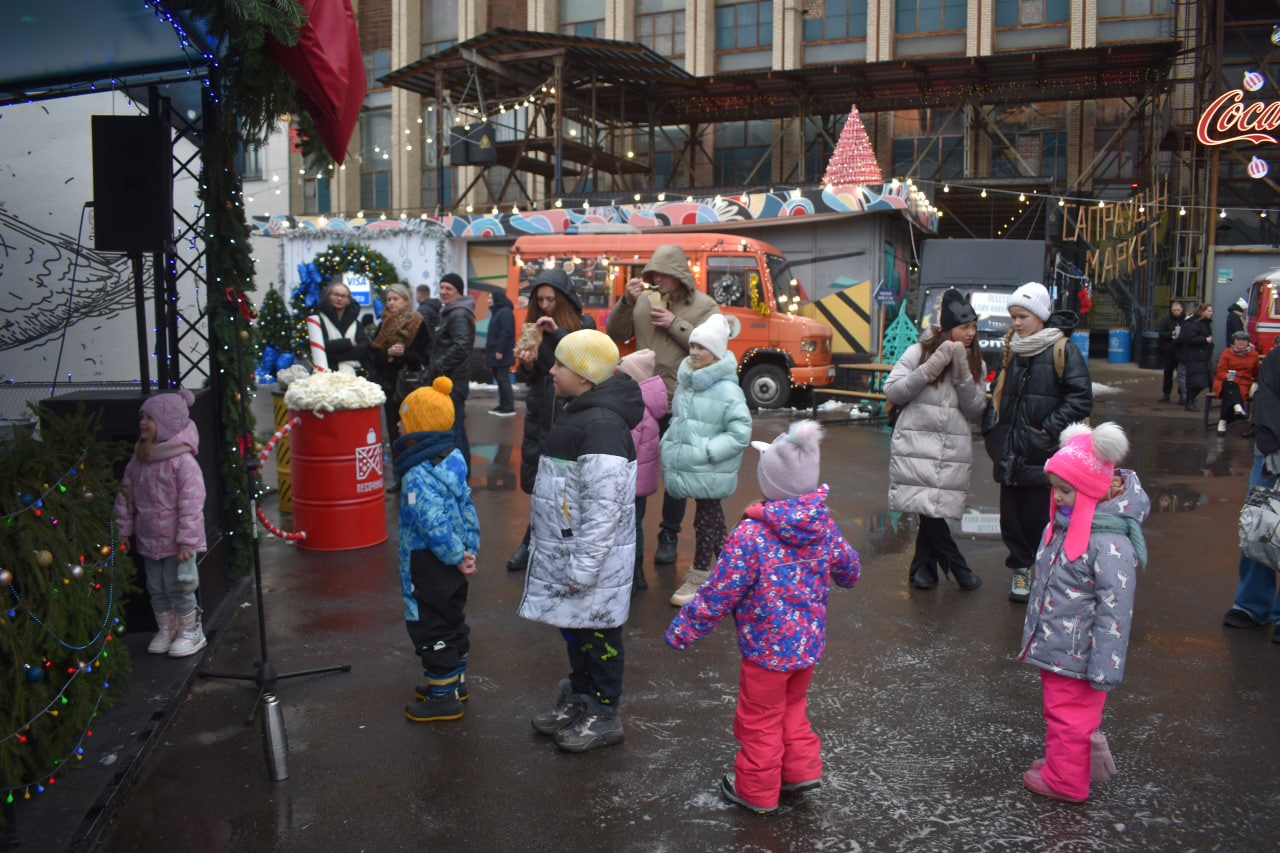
(779, 352)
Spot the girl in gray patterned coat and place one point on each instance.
(1081, 608)
(582, 547)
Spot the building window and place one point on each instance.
(439, 25)
(928, 16)
(429, 197)
(925, 147)
(249, 162)
(375, 66)
(1026, 13)
(741, 147)
(1134, 8)
(842, 20)
(663, 33)
(582, 18)
(315, 197)
(743, 26)
(375, 159)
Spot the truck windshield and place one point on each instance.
(785, 288)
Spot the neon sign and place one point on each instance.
(1227, 120)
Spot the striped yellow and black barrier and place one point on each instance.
(283, 482)
(848, 313)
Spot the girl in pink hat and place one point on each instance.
(1081, 609)
(162, 509)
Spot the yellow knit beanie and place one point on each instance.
(429, 409)
(589, 353)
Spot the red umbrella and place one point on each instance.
(328, 67)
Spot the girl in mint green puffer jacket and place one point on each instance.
(702, 448)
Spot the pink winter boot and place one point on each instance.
(190, 637)
(167, 625)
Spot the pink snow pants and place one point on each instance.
(776, 743)
(1072, 710)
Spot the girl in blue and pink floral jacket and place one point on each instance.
(775, 575)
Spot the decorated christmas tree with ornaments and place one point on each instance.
(63, 580)
(853, 162)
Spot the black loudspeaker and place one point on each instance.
(473, 146)
(132, 184)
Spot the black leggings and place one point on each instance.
(709, 533)
(1024, 512)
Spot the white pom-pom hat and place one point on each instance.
(1087, 460)
(788, 467)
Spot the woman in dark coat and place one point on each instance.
(400, 343)
(1032, 401)
(346, 344)
(555, 309)
(499, 345)
(1196, 343)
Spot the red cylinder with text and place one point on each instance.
(335, 463)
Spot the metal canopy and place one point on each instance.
(71, 47)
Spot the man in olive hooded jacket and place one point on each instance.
(661, 319)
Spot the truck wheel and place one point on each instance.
(766, 386)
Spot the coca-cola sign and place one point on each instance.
(1228, 120)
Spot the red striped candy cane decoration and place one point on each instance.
(315, 336)
(262, 458)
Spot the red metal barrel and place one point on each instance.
(336, 466)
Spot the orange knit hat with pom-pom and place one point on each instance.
(429, 409)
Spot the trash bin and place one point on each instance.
(336, 463)
(1080, 338)
(284, 486)
(1149, 352)
(1119, 342)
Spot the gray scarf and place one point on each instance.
(1035, 343)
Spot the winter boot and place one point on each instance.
(666, 553)
(730, 793)
(692, 580)
(167, 626)
(569, 706)
(520, 559)
(924, 573)
(638, 582)
(189, 638)
(423, 691)
(1020, 590)
(598, 725)
(965, 577)
(442, 703)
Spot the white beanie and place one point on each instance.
(1034, 297)
(1241, 303)
(712, 335)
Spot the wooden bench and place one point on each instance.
(867, 367)
(1210, 401)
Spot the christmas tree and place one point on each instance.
(276, 327)
(62, 581)
(853, 161)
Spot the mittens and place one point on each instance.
(1101, 765)
(937, 363)
(188, 576)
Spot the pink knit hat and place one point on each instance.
(640, 365)
(1087, 460)
(169, 411)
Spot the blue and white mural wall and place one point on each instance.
(65, 308)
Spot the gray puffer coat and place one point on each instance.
(1081, 611)
(931, 452)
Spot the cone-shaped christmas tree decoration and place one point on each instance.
(853, 161)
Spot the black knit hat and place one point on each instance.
(955, 311)
(454, 279)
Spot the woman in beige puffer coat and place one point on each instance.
(938, 384)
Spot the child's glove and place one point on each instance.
(188, 575)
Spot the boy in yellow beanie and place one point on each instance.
(439, 537)
(582, 543)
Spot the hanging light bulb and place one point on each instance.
(1062, 202)
(946, 188)
(1022, 196)
(984, 192)
(1183, 211)
(1262, 215)
(1101, 203)
(1222, 214)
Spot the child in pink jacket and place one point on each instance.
(162, 509)
(640, 366)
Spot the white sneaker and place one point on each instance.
(692, 580)
(1222, 427)
(1020, 588)
(190, 637)
(167, 623)
(1239, 410)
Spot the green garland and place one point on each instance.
(360, 259)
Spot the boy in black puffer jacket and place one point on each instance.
(1042, 387)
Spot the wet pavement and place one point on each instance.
(927, 720)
